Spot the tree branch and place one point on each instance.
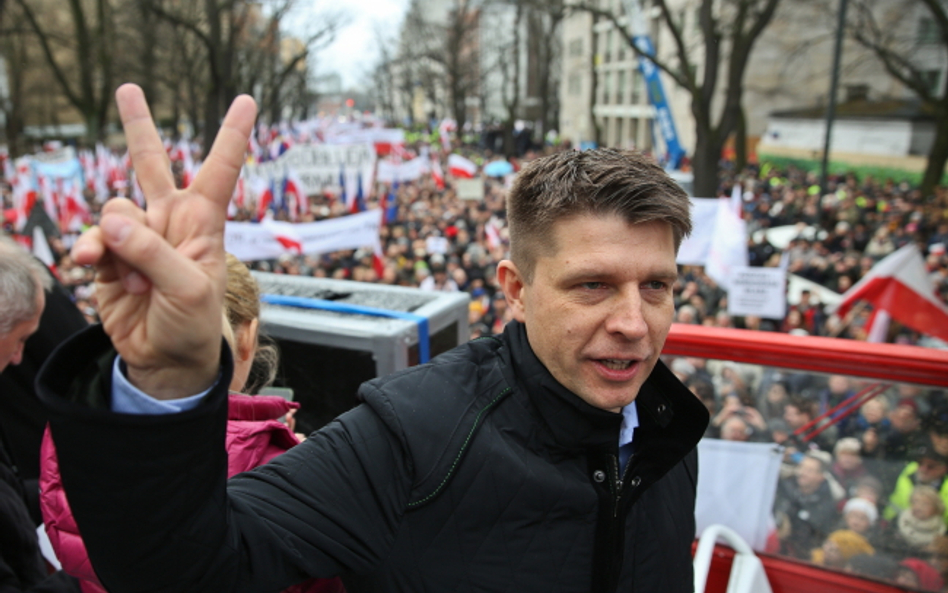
(50, 57)
(609, 16)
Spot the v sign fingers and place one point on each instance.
(144, 144)
(161, 271)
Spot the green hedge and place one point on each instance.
(837, 167)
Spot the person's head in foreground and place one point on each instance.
(255, 363)
(22, 299)
(593, 239)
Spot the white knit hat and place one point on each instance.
(861, 504)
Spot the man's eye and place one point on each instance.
(656, 285)
(592, 285)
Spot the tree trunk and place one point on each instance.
(740, 142)
(937, 156)
(705, 164)
(213, 112)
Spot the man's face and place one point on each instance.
(930, 470)
(809, 475)
(599, 307)
(11, 344)
(793, 417)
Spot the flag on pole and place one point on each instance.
(900, 286)
(729, 242)
(358, 204)
(24, 193)
(461, 167)
(294, 194)
(436, 173)
(264, 195)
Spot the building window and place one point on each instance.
(636, 88)
(620, 88)
(606, 88)
(608, 52)
(620, 141)
(576, 47)
(928, 32)
(575, 85)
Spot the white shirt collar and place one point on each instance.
(630, 421)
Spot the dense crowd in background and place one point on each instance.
(869, 492)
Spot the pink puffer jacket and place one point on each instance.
(254, 437)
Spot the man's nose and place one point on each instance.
(627, 316)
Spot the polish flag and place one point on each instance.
(492, 233)
(358, 203)
(24, 192)
(264, 194)
(188, 171)
(76, 211)
(444, 130)
(900, 286)
(48, 193)
(461, 167)
(436, 173)
(293, 193)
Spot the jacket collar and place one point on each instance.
(670, 416)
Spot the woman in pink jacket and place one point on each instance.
(255, 434)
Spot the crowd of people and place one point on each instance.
(870, 491)
(862, 487)
(434, 240)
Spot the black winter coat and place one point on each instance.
(476, 472)
(22, 568)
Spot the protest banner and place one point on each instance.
(391, 172)
(319, 166)
(271, 239)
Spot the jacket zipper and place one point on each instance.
(618, 481)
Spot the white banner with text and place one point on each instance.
(270, 239)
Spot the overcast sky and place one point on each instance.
(354, 52)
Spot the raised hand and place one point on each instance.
(160, 273)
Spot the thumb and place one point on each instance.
(147, 258)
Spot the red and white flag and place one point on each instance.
(461, 167)
(293, 193)
(900, 286)
(436, 173)
(24, 193)
(73, 208)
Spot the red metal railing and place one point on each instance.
(887, 362)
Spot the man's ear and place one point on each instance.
(513, 285)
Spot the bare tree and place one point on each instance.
(80, 56)
(728, 30)
(546, 18)
(899, 34)
(508, 65)
(17, 61)
(237, 35)
(443, 57)
(383, 76)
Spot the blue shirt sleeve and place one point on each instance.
(127, 399)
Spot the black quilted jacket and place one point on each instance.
(477, 472)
